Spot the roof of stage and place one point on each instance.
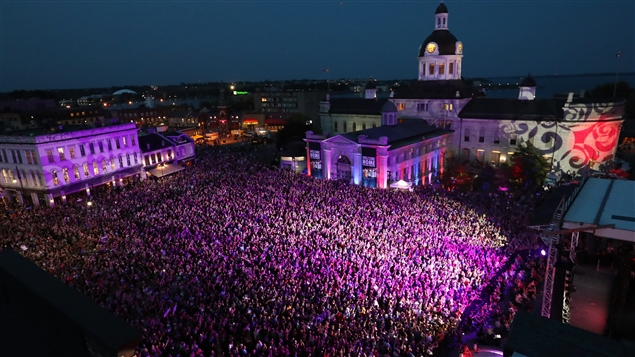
(604, 202)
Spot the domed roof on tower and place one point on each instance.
(441, 41)
(442, 9)
(528, 81)
(371, 85)
(389, 107)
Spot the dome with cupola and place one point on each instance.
(441, 41)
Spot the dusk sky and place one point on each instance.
(83, 44)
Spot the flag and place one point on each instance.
(326, 70)
(617, 55)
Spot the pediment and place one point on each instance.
(339, 139)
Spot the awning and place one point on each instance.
(250, 121)
(165, 169)
(275, 121)
(401, 184)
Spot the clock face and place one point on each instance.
(460, 47)
(431, 47)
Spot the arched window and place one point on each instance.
(104, 167)
(513, 139)
(481, 135)
(466, 135)
(76, 172)
(354, 126)
(5, 175)
(363, 126)
(334, 126)
(55, 179)
(374, 125)
(344, 127)
(497, 136)
(35, 183)
(67, 177)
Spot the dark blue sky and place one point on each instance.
(82, 44)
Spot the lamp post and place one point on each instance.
(21, 185)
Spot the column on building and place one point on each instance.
(50, 200)
(382, 171)
(357, 168)
(35, 199)
(308, 160)
(326, 165)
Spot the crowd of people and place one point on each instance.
(232, 257)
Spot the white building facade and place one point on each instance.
(40, 167)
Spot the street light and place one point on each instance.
(21, 185)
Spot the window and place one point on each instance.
(159, 157)
(497, 136)
(101, 146)
(466, 136)
(422, 107)
(480, 155)
(86, 171)
(120, 161)
(132, 140)
(35, 183)
(60, 151)
(441, 68)
(430, 69)
(481, 135)
(117, 143)
(128, 159)
(334, 126)
(451, 68)
(67, 179)
(146, 159)
(71, 151)
(109, 144)
(512, 139)
(76, 172)
(170, 154)
(91, 147)
(15, 160)
(374, 125)
(28, 157)
(19, 155)
(49, 154)
(104, 167)
(354, 126)
(344, 126)
(136, 159)
(363, 126)
(496, 157)
(95, 168)
(401, 106)
(125, 141)
(82, 150)
(55, 179)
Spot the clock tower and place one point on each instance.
(441, 54)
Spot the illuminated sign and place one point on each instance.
(315, 154)
(368, 161)
(240, 92)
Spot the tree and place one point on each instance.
(528, 168)
(455, 175)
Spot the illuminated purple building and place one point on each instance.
(44, 165)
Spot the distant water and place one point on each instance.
(547, 87)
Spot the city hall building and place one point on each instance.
(369, 138)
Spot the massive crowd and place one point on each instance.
(235, 258)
